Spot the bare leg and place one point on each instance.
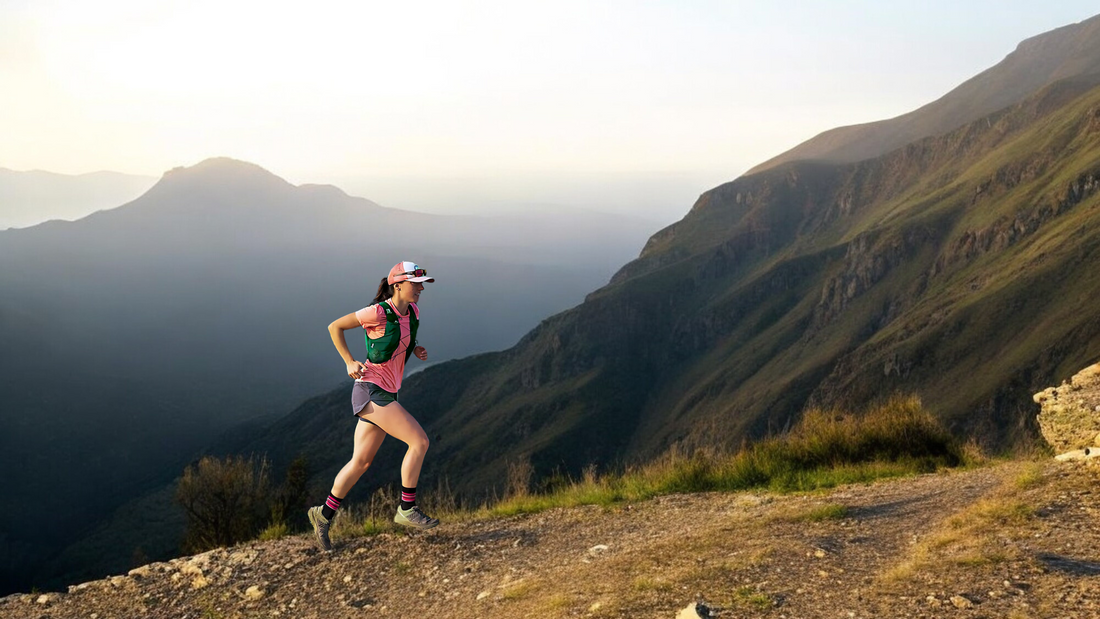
(398, 423)
(368, 438)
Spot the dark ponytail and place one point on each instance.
(385, 291)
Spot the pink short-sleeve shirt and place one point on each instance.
(386, 375)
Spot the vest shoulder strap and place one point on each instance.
(391, 315)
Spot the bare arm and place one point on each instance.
(336, 331)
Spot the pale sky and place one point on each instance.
(520, 101)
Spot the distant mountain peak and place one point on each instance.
(220, 176)
(223, 167)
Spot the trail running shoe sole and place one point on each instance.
(414, 518)
(320, 528)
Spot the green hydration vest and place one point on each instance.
(382, 349)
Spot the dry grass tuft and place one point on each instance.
(646, 583)
(518, 590)
(828, 448)
(818, 513)
(752, 598)
(1030, 477)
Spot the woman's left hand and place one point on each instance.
(421, 353)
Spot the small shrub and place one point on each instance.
(519, 478)
(274, 532)
(973, 454)
(225, 501)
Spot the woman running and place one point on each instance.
(390, 323)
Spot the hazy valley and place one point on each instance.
(135, 336)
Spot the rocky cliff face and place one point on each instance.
(1070, 416)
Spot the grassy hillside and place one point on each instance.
(958, 267)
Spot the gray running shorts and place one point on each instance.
(364, 392)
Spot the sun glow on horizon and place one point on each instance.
(464, 89)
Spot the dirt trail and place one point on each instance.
(1002, 541)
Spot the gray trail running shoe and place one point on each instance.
(320, 527)
(414, 518)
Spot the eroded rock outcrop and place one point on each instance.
(1070, 415)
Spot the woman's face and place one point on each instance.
(409, 291)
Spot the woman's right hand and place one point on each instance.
(356, 369)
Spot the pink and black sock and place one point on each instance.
(408, 497)
(331, 505)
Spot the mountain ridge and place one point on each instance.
(31, 197)
(1071, 51)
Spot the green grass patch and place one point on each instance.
(647, 583)
(1030, 477)
(275, 531)
(828, 448)
(821, 513)
(374, 527)
(747, 596)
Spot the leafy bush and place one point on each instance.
(275, 531)
(291, 499)
(226, 501)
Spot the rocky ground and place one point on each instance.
(1014, 540)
